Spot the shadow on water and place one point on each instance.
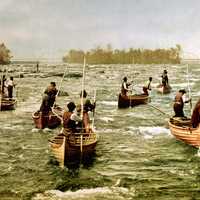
(75, 164)
(70, 177)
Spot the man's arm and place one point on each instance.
(75, 117)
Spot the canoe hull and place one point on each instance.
(67, 149)
(7, 104)
(132, 100)
(163, 90)
(42, 121)
(186, 134)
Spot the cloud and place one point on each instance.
(31, 28)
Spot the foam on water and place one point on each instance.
(149, 132)
(109, 103)
(181, 85)
(107, 119)
(113, 192)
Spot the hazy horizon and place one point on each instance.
(48, 28)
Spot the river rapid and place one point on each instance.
(136, 156)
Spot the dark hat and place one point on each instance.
(150, 78)
(165, 71)
(125, 78)
(182, 91)
(71, 106)
(53, 83)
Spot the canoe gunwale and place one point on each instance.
(188, 134)
(66, 150)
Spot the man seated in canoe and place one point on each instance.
(87, 106)
(179, 103)
(195, 119)
(124, 87)
(147, 86)
(71, 121)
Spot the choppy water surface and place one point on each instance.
(137, 158)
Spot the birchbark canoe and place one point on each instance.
(132, 100)
(7, 104)
(73, 147)
(51, 120)
(163, 90)
(185, 133)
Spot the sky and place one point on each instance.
(49, 28)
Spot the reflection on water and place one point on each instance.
(136, 156)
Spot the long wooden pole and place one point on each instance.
(189, 90)
(60, 85)
(82, 107)
(20, 70)
(82, 89)
(163, 112)
(158, 109)
(95, 93)
(2, 85)
(57, 95)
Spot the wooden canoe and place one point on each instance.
(8, 104)
(163, 90)
(73, 147)
(52, 120)
(132, 100)
(185, 133)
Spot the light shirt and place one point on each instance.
(184, 98)
(75, 117)
(9, 83)
(125, 86)
(148, 83)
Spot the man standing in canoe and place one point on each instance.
(10, 84)
(51, 91)
(3, 85)
(124, 87)
(147, 86)
(165, 80)
(195, 119)
(179, 103)
(87, 106)
(48, 98)
(70, 119)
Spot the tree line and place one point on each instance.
(138, 56)
(5, 54)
